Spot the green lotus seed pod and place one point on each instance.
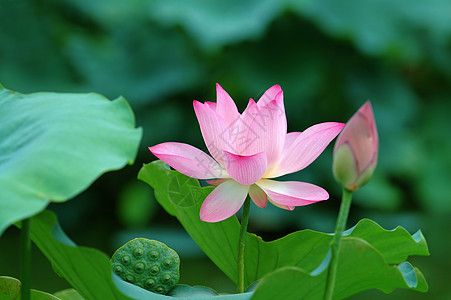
(141, 262)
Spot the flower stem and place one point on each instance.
(336, 241)
(241, 246)
(25, 255)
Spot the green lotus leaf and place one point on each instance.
(53, 146)
(304, 249)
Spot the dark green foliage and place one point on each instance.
(328, 56)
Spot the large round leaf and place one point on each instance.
(10, 289)
(304, 249)
(89, 271)
(53, 146)
(361, 267)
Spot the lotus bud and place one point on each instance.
(356, 149)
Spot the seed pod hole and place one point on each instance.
(118, 269)
(154, 269)
(166, 278)
(167, 263)
(159, 290)
(154, 254)
(139, 267)
(125, 260)
(149, 283)
(129, 278)
(138, 252)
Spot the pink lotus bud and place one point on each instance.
(356, 149)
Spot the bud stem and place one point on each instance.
(336, 242)
(25, 259)
(241, 246)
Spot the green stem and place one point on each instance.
(336, 241)
(25, 255)
(241, 245)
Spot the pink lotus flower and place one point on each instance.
(356, 149)
(247, 150)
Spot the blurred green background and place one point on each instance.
(329, 56)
